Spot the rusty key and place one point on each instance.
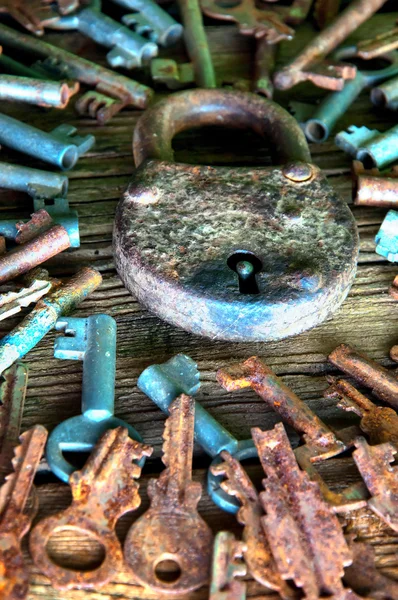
(256, 374)
(15, 516)
(172, 529)
(226, 567)
(257, 552)
(380, 477)
(102, 491)
(306, 539)
(382, 383)
(380, 423)
(12, 398)
(310, 65)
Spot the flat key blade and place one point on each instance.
(12, 398)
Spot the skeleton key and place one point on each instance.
(102, 491)
(380, 477)
(151, 19)
(92, 340)
(12, 398)
(254, 373)
(172, 529)
(112, 92)
(382, 382)
(15, 517)
(380, 423)
(257, 553)
(226, 567)
(36, 91)
(128, 49)
(162, 384)
(306, 539)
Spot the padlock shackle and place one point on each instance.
(156, 128)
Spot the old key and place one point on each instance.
(172, 529)
(102, 491)
(16, 514)
(226, 567)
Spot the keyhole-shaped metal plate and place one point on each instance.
(178, 225)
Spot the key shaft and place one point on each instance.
(227, 566)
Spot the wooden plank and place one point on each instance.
(368, 318)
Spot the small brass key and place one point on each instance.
(172, 529)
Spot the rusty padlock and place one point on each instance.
(232, 253)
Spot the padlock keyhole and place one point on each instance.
(246, 265)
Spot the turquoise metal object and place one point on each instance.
(387, 237)
(92, 340)
(60, 147)
(386, 95)
(148, 18)
(372, 148)
(179, 375)
(128, 49)
(317, 129)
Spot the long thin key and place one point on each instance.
(226, 567)
(380, 477)
(151, 19)
(102, 491)
(172, 529)
(382, 383)
(92, 340)
(112, 90)
(254, 373)
(15, 517)
(257, 552)
(12, 398)
(37, 91)
(306, 539)
(380, 423)
(179, 375)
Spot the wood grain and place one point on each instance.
(368, 319)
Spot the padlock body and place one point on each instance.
(185, 237)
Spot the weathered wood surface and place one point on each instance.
(368, 318)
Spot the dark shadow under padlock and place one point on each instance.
(233, 253)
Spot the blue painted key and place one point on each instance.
(92, 340)
(179, 375)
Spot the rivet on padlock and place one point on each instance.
(242, 253)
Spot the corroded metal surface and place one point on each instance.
(254, 373)
(33, 253)
(270, 22)
(15, 516)
(372, 48)
(310, 65)
(305, 537)
(37, 91)
(60, 301)
(382, 383)
(299, 236)
(226, 567)
(38, 223)
(381, 478)
(172, 529)
(257, 553)
(380, 423)
(376, 191)
(102, 491)
(363, 577)
(112, 91)
(12, 302)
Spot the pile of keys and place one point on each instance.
(292, 540)
(284, 265)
